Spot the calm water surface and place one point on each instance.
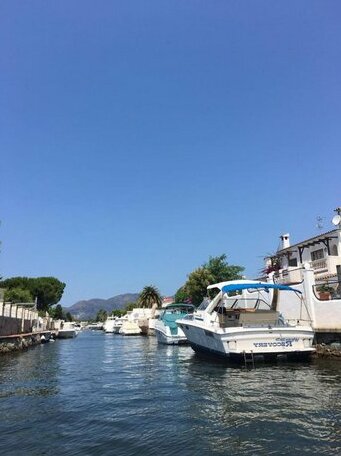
(104, 394)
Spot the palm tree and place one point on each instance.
(149, 297)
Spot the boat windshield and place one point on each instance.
(204, 304)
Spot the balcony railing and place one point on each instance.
(326, 265)
(288, 276)
(322, 268)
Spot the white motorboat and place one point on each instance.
(166, 329)
(130, 328)
(242, 322)
(109, 324)
(118, 322)
(67, 330)
(137, 321)
(95, 326)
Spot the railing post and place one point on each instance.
(23, 319)
(338, 272)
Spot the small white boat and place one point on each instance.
(95, 326)
(247, 324)
(109, 324)
(68, 330)
(78, 328)
(130, 328)
(166, 329)
(118, 322)
(137, 321)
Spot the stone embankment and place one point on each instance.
(20, 342)
(328, 351)
(21, 327)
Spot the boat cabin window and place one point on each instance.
(252, 303)
(204, 304)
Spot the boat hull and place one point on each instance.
(240, 357)
(164, 337)
(235, 343)
(130, 328)
(166, 329)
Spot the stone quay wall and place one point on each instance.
(16, 319)
(19, 342)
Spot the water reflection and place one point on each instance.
(271, 404)
(103, 393)
(30, 373)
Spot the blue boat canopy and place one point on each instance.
(263, 286)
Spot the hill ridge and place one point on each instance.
(87, 309)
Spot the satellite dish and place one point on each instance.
(336, 220)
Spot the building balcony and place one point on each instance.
(323, 269)
(326, 266)
(288, 276)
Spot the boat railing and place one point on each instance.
(188, 317)
(297, 322)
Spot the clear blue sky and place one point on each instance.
(140, 137)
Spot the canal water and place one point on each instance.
(105, 394)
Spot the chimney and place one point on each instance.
(285, 238)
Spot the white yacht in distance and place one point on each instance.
(135, 320)
(108, 325)
(242, 321)
(130, 328)
(95, 326)
(68, 330)
(118, 322)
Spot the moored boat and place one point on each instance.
(68, 330)
(137, 321)
(166, 329)
(118, 322)
(95, 326)
(108, 325)
(130, 328)
(242, 322)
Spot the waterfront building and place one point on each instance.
(166, 300)
(322, 253)
(312, 266)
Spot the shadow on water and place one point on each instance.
(278, 408)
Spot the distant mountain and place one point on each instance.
(87, 310)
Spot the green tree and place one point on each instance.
(101, 315)
(117, 313)
(57, 312)
(47, 290)
(181, 295)
(129, 306)
(215, 270)
(197, 283)
(150, 295)
(68, 316)
(17, 282)
(221, 270)
(17, 295)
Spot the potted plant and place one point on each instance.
(274, 265)
(325, 292)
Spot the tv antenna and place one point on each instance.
(319, 223)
